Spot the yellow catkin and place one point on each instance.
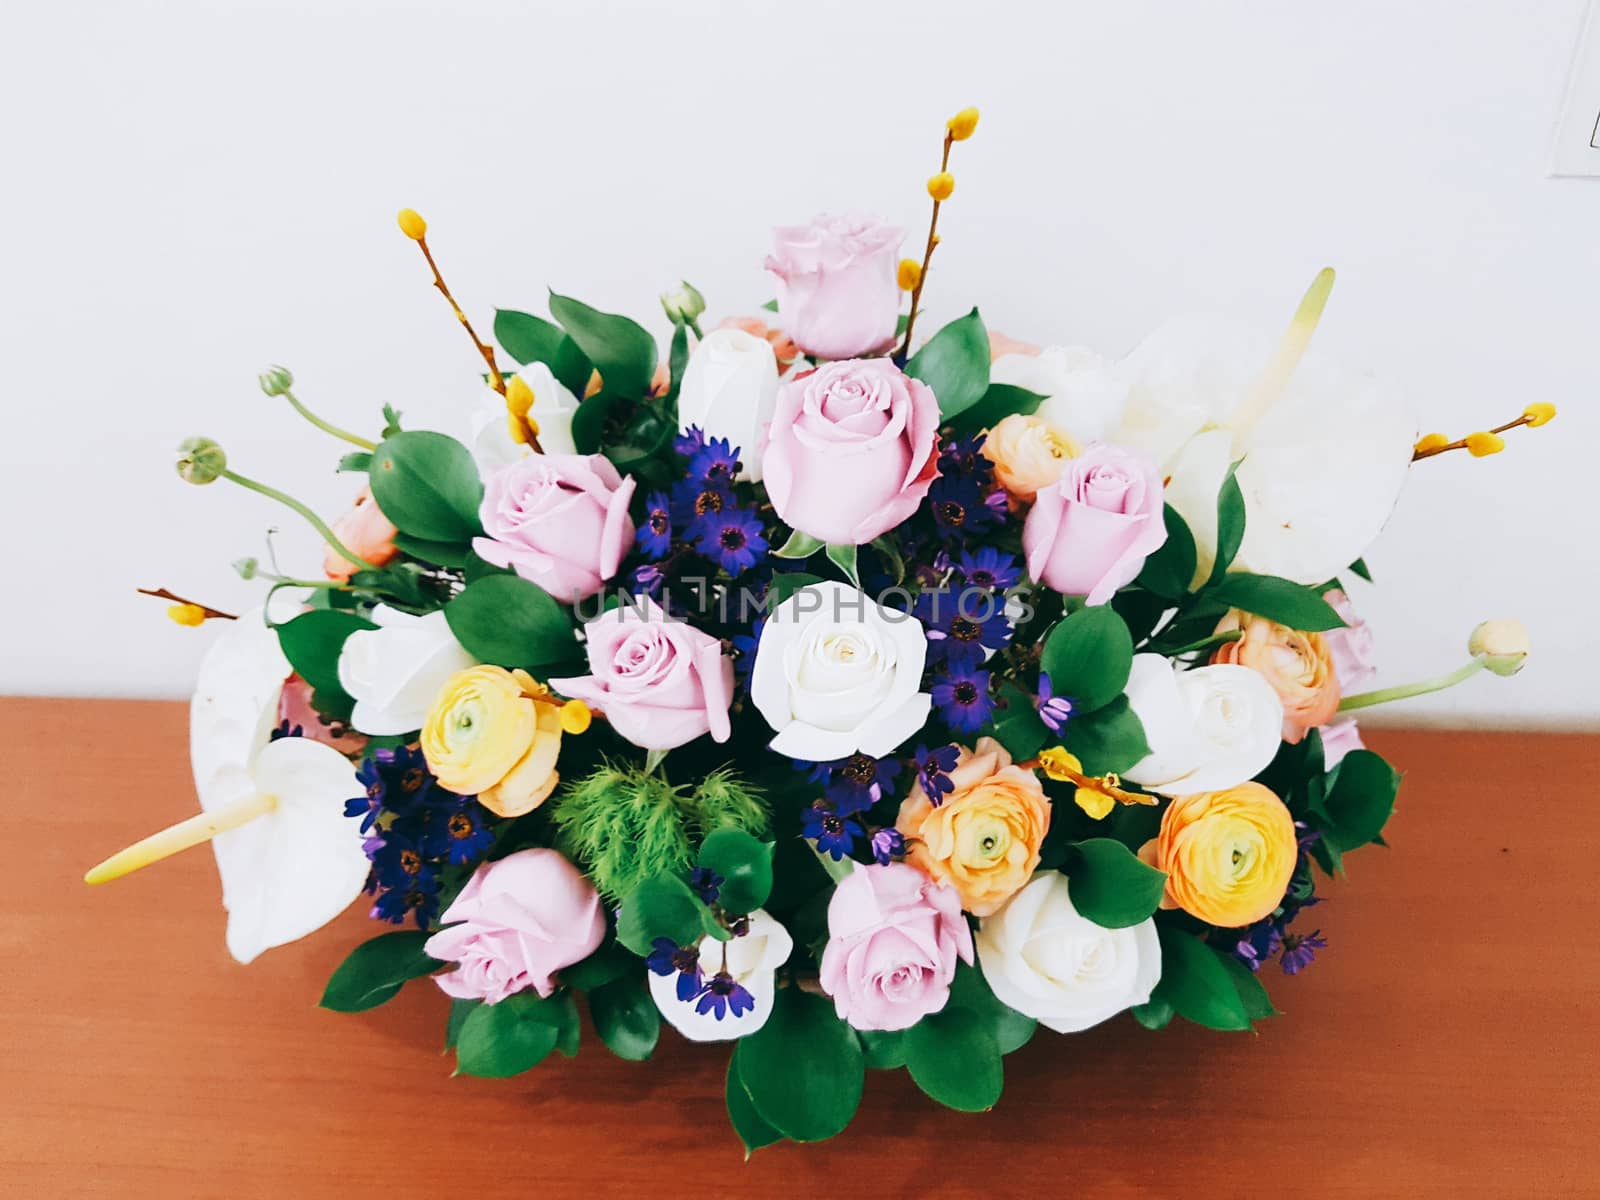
(575, 716)
(1432, 441)
(909, 274)
(412, 224)
(1539, 414)
(942, 185)
(962, 125)
(1481, 445)
(187, 614)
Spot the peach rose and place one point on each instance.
(1028, 453)
(1228, 855)
(1299, 666)
(366, 532)
(983, 838)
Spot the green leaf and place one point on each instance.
(1252, 992)
(312, 641)
(460, 1010)
(799, 546)
(507, 621)
(1230, 524)
(374, 971)
(1281, 600)
(1017, 727)
(619, 348)
(626, 1018)
(359, 461)
(747, 1123)
(745, 864)
(1169, 571)
(1360, 799)
(1360, 568)
(1088, 656)
(609, 962)
(884, 1050)
(1157, 1014)
(803, 1069)
(527, 338)
(787, 584)
(952, 1057)
(1110, 885)
(442, 554)
(661, 906)
(391, 422)
(428, 486)
(1002, 400)
(971, 991)
(955, 364)
(844, 557)
(1196, 984)
(500, 1040)
(892, 558)
(677, 363)
(589, 422)
(770, 306)
(562, 1010)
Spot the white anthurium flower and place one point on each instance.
(837, 673)
(1209, 728)
(289, 859)
(1082, 392)
(1043, 958)
(729, 390)
(1323, 451)
(552, 407)
(752, 962)
(395, 672)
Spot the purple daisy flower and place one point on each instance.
(668, 958)
(989, 568)
(690, 442)
(961, 694)
(723, 995)
(856, 783)
(706, 883)
(933, 771)
(887, 845)
(732, 538)
(654, 536)
(1300, 949)
(961, 625)
(834, 835)
(715, 464)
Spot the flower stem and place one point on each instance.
(1406, 691)
(1207, 643)
(927, 257)
(838, 869)
(317, 522)
(328, 426)
(211, 613)
(496, 380)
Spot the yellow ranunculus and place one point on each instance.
(1228, 855)
(983, 837)
(494, 734)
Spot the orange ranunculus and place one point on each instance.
(366, 532)
(983, 838)
(1028, 453)
(1299, 666)
(1228, 855)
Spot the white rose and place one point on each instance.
(752, 962)
(837, 673)
(553, 405)
(1209, 729)
(1083, 393)
(394, 672)
(729, 390)
(1047, 961)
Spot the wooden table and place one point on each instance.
(1444, 1044)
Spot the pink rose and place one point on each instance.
(1090, 531)
(893, 939)
(660, 682)
(522, 919)
(852, 450)
(558, 520)
(1353, 652)
(837, 292)
(366, 533)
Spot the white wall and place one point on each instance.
(192, 190)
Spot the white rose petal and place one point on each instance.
(836, 673)
(1083, 393)
(1041, 957)
(553, 406)
(729, 390)
(394, 672)
(752, 960)
(1209, 728)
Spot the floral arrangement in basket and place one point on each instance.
(858, 702)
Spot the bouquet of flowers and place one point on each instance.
(855, 700)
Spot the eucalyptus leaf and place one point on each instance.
(374, 971)
(745, 864)
(1281, 600)
(747, 1123)
(1169, 571)
(953, 1058)
(626, 1018)
(803, 1069)
(428, 486)
(955, 364)
(1088, 656)
(527, 338)
(1017, 726)
(312, 642)
(1360, 799)
(1109, 884)
(661, 906)
(507, 621)
(498, 1041)
(1230, 523)
(1196, 984)
(620, 349)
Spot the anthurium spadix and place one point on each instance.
(273, 811)
(1323, 451)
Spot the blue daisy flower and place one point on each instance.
(834, 835)
(961, 694)
(654, 537)
(989, 568)
(732, 538)
(715, 464)
(722, 995)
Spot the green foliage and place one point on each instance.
(1280, 600)
(662, 906)
(955, 364)
(505, 620)
(620, 349)
(953, 1057)
(460, 1010)
(375, 971)
(1156, 1014)
(747, 1123)
(626, 1018)
(1088, 656)
(970, 990)
(745, 864)
(803, 1070)
(428, 486)
(1170, 570)
(609, 962)
(786, 584)
(442, 554)
(844, 557)
(1017, 726)
(1107, 739)
(883, 1049)
(1002, 400)
(1252, 992)
(312, 641)
(1110, 885)
(531, 339)
(798, 546)
(1360, 569)
(1196, 983)
(1230, 524)
(497, 1041)
(1360, 800)
(357, 461)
